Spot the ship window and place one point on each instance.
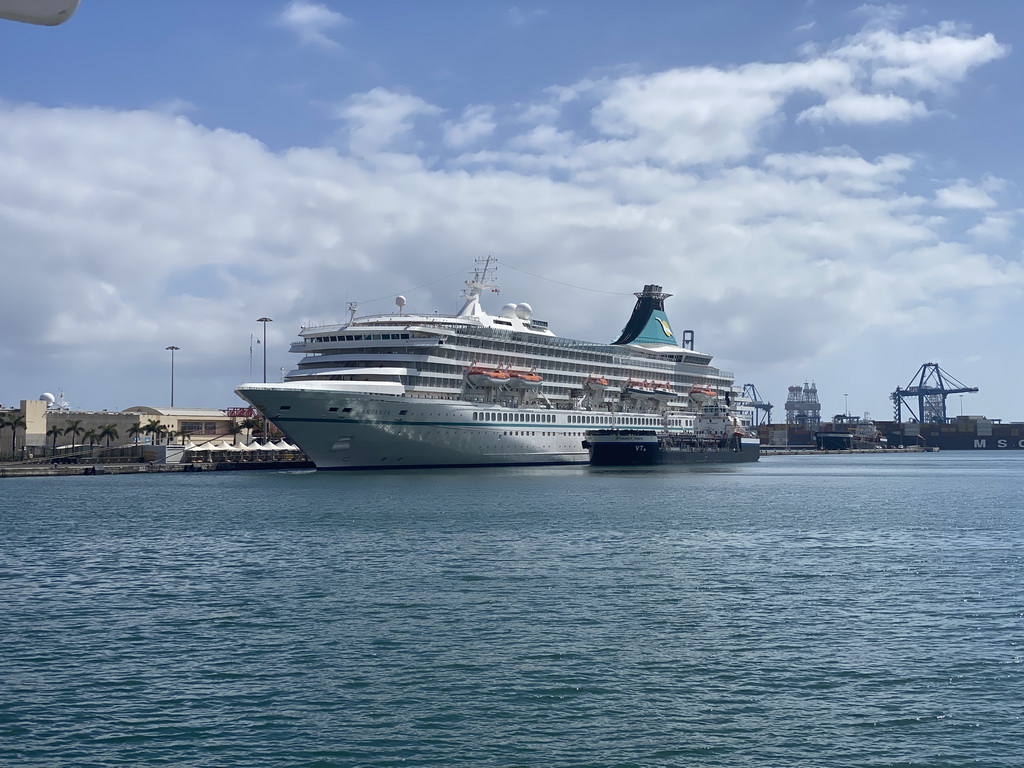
(402, 413)
(346, 410)
(284, 407)
(476, 416)
(333, 410)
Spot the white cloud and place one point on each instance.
(845, 170)
(852, 108)
(997, 227)
(476, 122)
(311, 22)
(128, 231)
(376, 120)
(963, 194)
(924, 59)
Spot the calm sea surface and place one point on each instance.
(812, 611)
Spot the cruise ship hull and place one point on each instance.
(340, 430)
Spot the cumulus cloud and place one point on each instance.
(998, 226)
(129, 231)
(376, 120)
(963, 194)
(924, 59)
(852, 108)
(311, 22)
(476, 122)
(845, 169)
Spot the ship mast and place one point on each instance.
(484, 278)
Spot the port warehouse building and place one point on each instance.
(39, 417)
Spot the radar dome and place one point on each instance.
(400, 301)
(509, 310)
(50, 399)
(524, 311)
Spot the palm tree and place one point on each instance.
(135, 430)
(92, 436)
(184, 434)
(74, 429)
(54, 432)
(234, 428)
(108, 432)
(157, 430)
(153, 429)
(15, 422)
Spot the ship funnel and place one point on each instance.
(648, 324)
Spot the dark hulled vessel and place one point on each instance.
(638, 447)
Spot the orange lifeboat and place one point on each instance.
(595, 383)
(486, 377)
(702, 395)
(524, 380)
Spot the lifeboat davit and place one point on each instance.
(486, 377)
(595, 383)
(663, 391)
(656, 390)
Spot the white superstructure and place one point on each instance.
(474, 389)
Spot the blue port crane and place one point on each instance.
(759, 406)
(930, 387)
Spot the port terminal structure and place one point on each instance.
(803, 410)
(930, 387)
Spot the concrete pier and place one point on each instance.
(70, 470)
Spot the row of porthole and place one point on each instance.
(542, 418)
(549, 418)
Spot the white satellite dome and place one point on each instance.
(524, 311)
(48, 397)
(509, 311)
(400, 301)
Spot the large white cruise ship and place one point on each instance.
(474, 389)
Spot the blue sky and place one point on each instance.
(830, 191)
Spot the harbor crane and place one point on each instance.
(930, 386)
(758, 405)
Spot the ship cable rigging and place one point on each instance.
(559, 282)
(353, 304)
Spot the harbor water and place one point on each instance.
(853, 610)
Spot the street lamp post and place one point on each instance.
(172, 349)
(846, 404)
(264, 320)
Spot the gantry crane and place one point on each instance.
(930, 386)
(759, 406)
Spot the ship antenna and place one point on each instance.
(484, 277)
(352, 305)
